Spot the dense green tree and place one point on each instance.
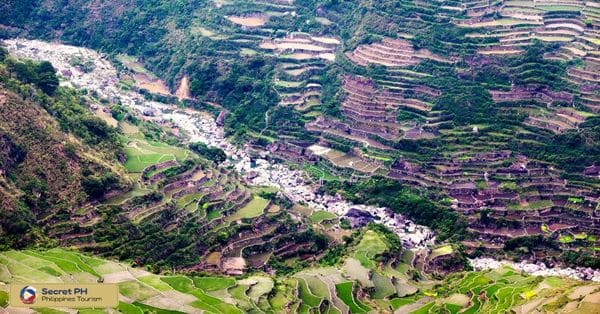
(46, 77)
(96, 186)
(16, 226)
(400, 199)
(211, 153)
(42, 74)
(3, 54)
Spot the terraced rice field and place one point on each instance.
(189, 201)
(59, 265)
(302, 58)
(213, 283)
(254, 208)
(503, 290)
(370, 245)
(440, 251)
(345, 291)
(249, 21)
(384, 287)
(141, 291)
(343, 160)
(320, 173)
(319, 216)
(495, 291)
(141, 154)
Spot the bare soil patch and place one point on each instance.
(249, 21)
(183, 91)
(155, 86)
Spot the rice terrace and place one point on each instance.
(300, 156)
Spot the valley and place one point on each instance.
(323, 289)
(197, 126)
(200, 127)
(246, 156)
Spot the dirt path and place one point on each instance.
(266, 123)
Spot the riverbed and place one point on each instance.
(201, 127)
(537, 269)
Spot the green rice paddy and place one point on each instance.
(440, 251)
(531, 206)
(321, 215)
(345, 291)
(253, 209)
(141, 154)
(370, 245)
(306, 295)
(213, 283)
(498, 291)
(320, 173)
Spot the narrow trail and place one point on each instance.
(266, 122)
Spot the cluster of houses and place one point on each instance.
(295, 187)
(537, 269)
(527, 193)
(102, 78)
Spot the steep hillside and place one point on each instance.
(489, 105)
(169, 207)
(311, 156)
(47, 166)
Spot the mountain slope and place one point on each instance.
(487, 110)
(45, 170)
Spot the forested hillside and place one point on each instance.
(80, 171)
(459, 52)
(48, 165)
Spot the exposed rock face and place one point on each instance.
(221, 118)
